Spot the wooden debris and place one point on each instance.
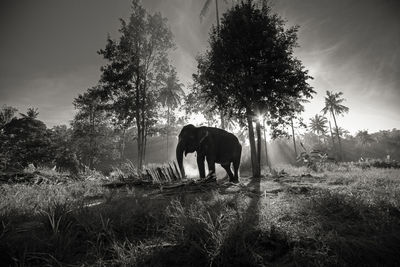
(118, 184)
(189, 186)
(163, 174)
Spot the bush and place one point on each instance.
(378, 163)
(26, 140)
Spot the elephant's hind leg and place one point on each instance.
(228, 170)
(236, 171)
(236, 164)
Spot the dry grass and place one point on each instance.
(340, 217)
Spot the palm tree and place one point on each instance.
(318, 125)
(330, 131)
(32, 113)
(297, 107)
(205, 9)
(365, 139)
(343, 133)
(333, 105)
(170, 96)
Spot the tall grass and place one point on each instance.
(350, 218)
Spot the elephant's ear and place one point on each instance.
(204, 137)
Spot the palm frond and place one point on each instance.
(205, 9)
(318, 124)
(333, 103)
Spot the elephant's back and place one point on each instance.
(224, 138)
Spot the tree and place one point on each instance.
(91, 132)
(318, 125)
(331, 133)
(203, 13)
(32, 113)
(297, 108)
(196, 102)
(365, 139)
(333, 105)
(26, 140)
(205, 9)
(251, 59)
(7, 113)
(170, 96)
(63, 150)
(137, 63)
(343, 133)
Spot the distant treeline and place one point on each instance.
(361, 146)
(24, 140)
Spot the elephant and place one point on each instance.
(212, 144)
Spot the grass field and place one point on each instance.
(342, 217)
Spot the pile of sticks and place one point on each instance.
(188, 186)
(163, 174)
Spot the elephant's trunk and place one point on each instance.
(179, 157)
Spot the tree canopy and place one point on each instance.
(250, 67)
(137, 63)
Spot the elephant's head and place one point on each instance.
(189, 142)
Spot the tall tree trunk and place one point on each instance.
(252, 146)
(330, 130)
(294, 138)
(139, 144)
(333, 141)
(167, 132)
(138, 122)
(221, 114)
(258, 132)
(143, 122)
(122, 152)
(217, 13)
(91, 138)
(337, 133)
(145, 144)
(266, 149)
(144, 135)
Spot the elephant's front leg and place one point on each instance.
(200, 165)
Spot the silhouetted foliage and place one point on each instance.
(333, 105)
(92, 132)
(383, 145)
(7, 113)
(170, 96)
(136, 65)
(26, 140)
(250, 70)
(32, 113)
(63, 149)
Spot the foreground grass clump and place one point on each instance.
(332, 228)
(334, 218)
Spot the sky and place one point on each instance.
(48, 51)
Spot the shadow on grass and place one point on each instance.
(343, 229)
(72, 233)
(206, 229)
(224, 233)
